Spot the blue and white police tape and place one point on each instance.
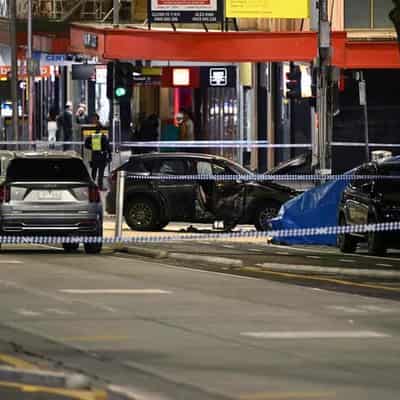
(260, 177)
(160, 238)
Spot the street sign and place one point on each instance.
(185, 11)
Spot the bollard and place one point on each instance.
(119, 201)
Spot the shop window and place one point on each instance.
(367, 14)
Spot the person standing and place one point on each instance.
(52, 128)
(81, 115)
(100, 148)
(149, 132)
(65, 123)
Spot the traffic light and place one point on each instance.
(394, 16)
(122, 91)
(293, 82)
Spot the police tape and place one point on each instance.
(278, 233)
(260, 177)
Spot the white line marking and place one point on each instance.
(115, 291)
(384, 265)
(314, 257)
(316, 335)
(346, 260)
(28, 313)
(352, 310)
(282, 253)
(228, 246)
(257, 250)
(58, 311)
(10, 262)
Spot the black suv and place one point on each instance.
(371, 201)
(150, 204)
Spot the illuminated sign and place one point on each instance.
(181, 76)
(267, 8)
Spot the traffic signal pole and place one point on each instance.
(116, 119)
(14, 66)
(324, 129)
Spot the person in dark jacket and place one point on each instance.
(148, 133)
(64, 122)
(100, 147)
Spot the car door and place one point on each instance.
(359, 196)
(178, 194)
(225, 198)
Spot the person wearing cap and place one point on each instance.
(64, 122)
(81, 115)
(100, 148)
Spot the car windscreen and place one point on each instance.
(51, 169)
(389, 185)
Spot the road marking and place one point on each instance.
(330, 280)
(10, 262)
(314, 257)
(115, 291)
(287, 395)
(352, 310)
(58, 311)
(228, 246)
(346, 260)
(384, 265)
(16, 362)
(257, 250)
(316, 335)
(108, 338)
(28, 313)
(282, 253)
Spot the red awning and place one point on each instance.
(139, 44)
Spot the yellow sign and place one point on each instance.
(267, 8)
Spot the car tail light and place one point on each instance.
(4, 194)
(94, 194)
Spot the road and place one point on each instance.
(195, 334)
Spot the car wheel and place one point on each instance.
(70, 247)
(346, 243)
(93, 248)
(264, 214)
(142, 215)
(376, 244)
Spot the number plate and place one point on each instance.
(49, 195)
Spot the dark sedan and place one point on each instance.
(150, 204)
(370, 201)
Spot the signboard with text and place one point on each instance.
(185, 11)
(267, 8)
(218, 77)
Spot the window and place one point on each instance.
(171, 167)
(52, 169)
(204, 168)
(367, 14)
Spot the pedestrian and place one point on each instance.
(186, 125)
(81, 116)
(64, 122)
(52, 128)
(170, 133)
(100, 148)
(148, 132)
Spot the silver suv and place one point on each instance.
(51, 194)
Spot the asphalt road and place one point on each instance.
(193, 334)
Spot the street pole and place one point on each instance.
(14, 67)
(363, 102)
(31, 83)
(116, 122)
(323, 70)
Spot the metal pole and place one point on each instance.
(116, 125)
(363, 102)
(116, 12)
(30, 71)
(121, 176)
(14, 67)
(324, 54)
